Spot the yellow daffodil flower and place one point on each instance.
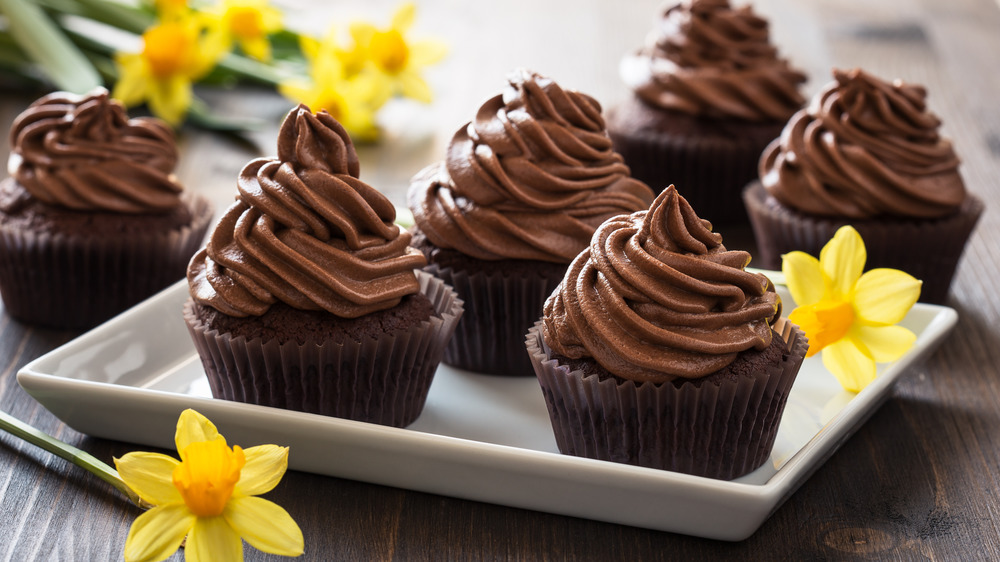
(209, 497)
(167, 10)
(174, 54)
(352, 99)
(248, 23)
(848, 316)
(396, 58)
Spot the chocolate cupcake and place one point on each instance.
(308, 296)
(92, 219)
(709, 93)
(518, 196)
(866, 153)
(659, 349)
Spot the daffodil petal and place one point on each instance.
(265, 525)
(158, 533)
(327, 67)
(212, 46)
(297, 91)
(169, 99)
(150, 476)
(273, 19)
(170, 9)
(192, 427)
(843, 259)
(211, 539)
(885, 343)
(427, 52)
(265, 465)
(414, 87)
(852, 367)
(364, 132)
(371, 90)
(257, 47)
(347, 63)
(362, 128)
(362, 33)
(309, 45)
(803, 277)
(884, 296)
(133, 80)
(402, 20)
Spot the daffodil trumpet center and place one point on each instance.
(824, 323)
(389, 51)
(168, 49)
(207, 475)
(245, 21)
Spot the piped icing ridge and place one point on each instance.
(864, 148)
(708, 59)
(306, 231)
(530, 177)
(84, 153)
(656, 296)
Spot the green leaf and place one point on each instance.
(116, 14)
(46, 44)
(130, 18)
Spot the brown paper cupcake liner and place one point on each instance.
(77, 282)
(498, 312)
(928, 249)
(710, 171)
(721, 429)
(383, 380)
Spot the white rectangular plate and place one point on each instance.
(480, 437)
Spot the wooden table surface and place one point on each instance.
(920, 480)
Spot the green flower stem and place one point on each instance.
(80, 458)
(116, 14)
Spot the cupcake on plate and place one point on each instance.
(866, 153)
(92, 219)
(659, 349)
(308, 297)
(709, 93)
(518, 196)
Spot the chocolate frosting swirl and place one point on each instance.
(530, 178)
(657, 296)
(864, 148)
(306, 231)
(709, 59)
(84, 153)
